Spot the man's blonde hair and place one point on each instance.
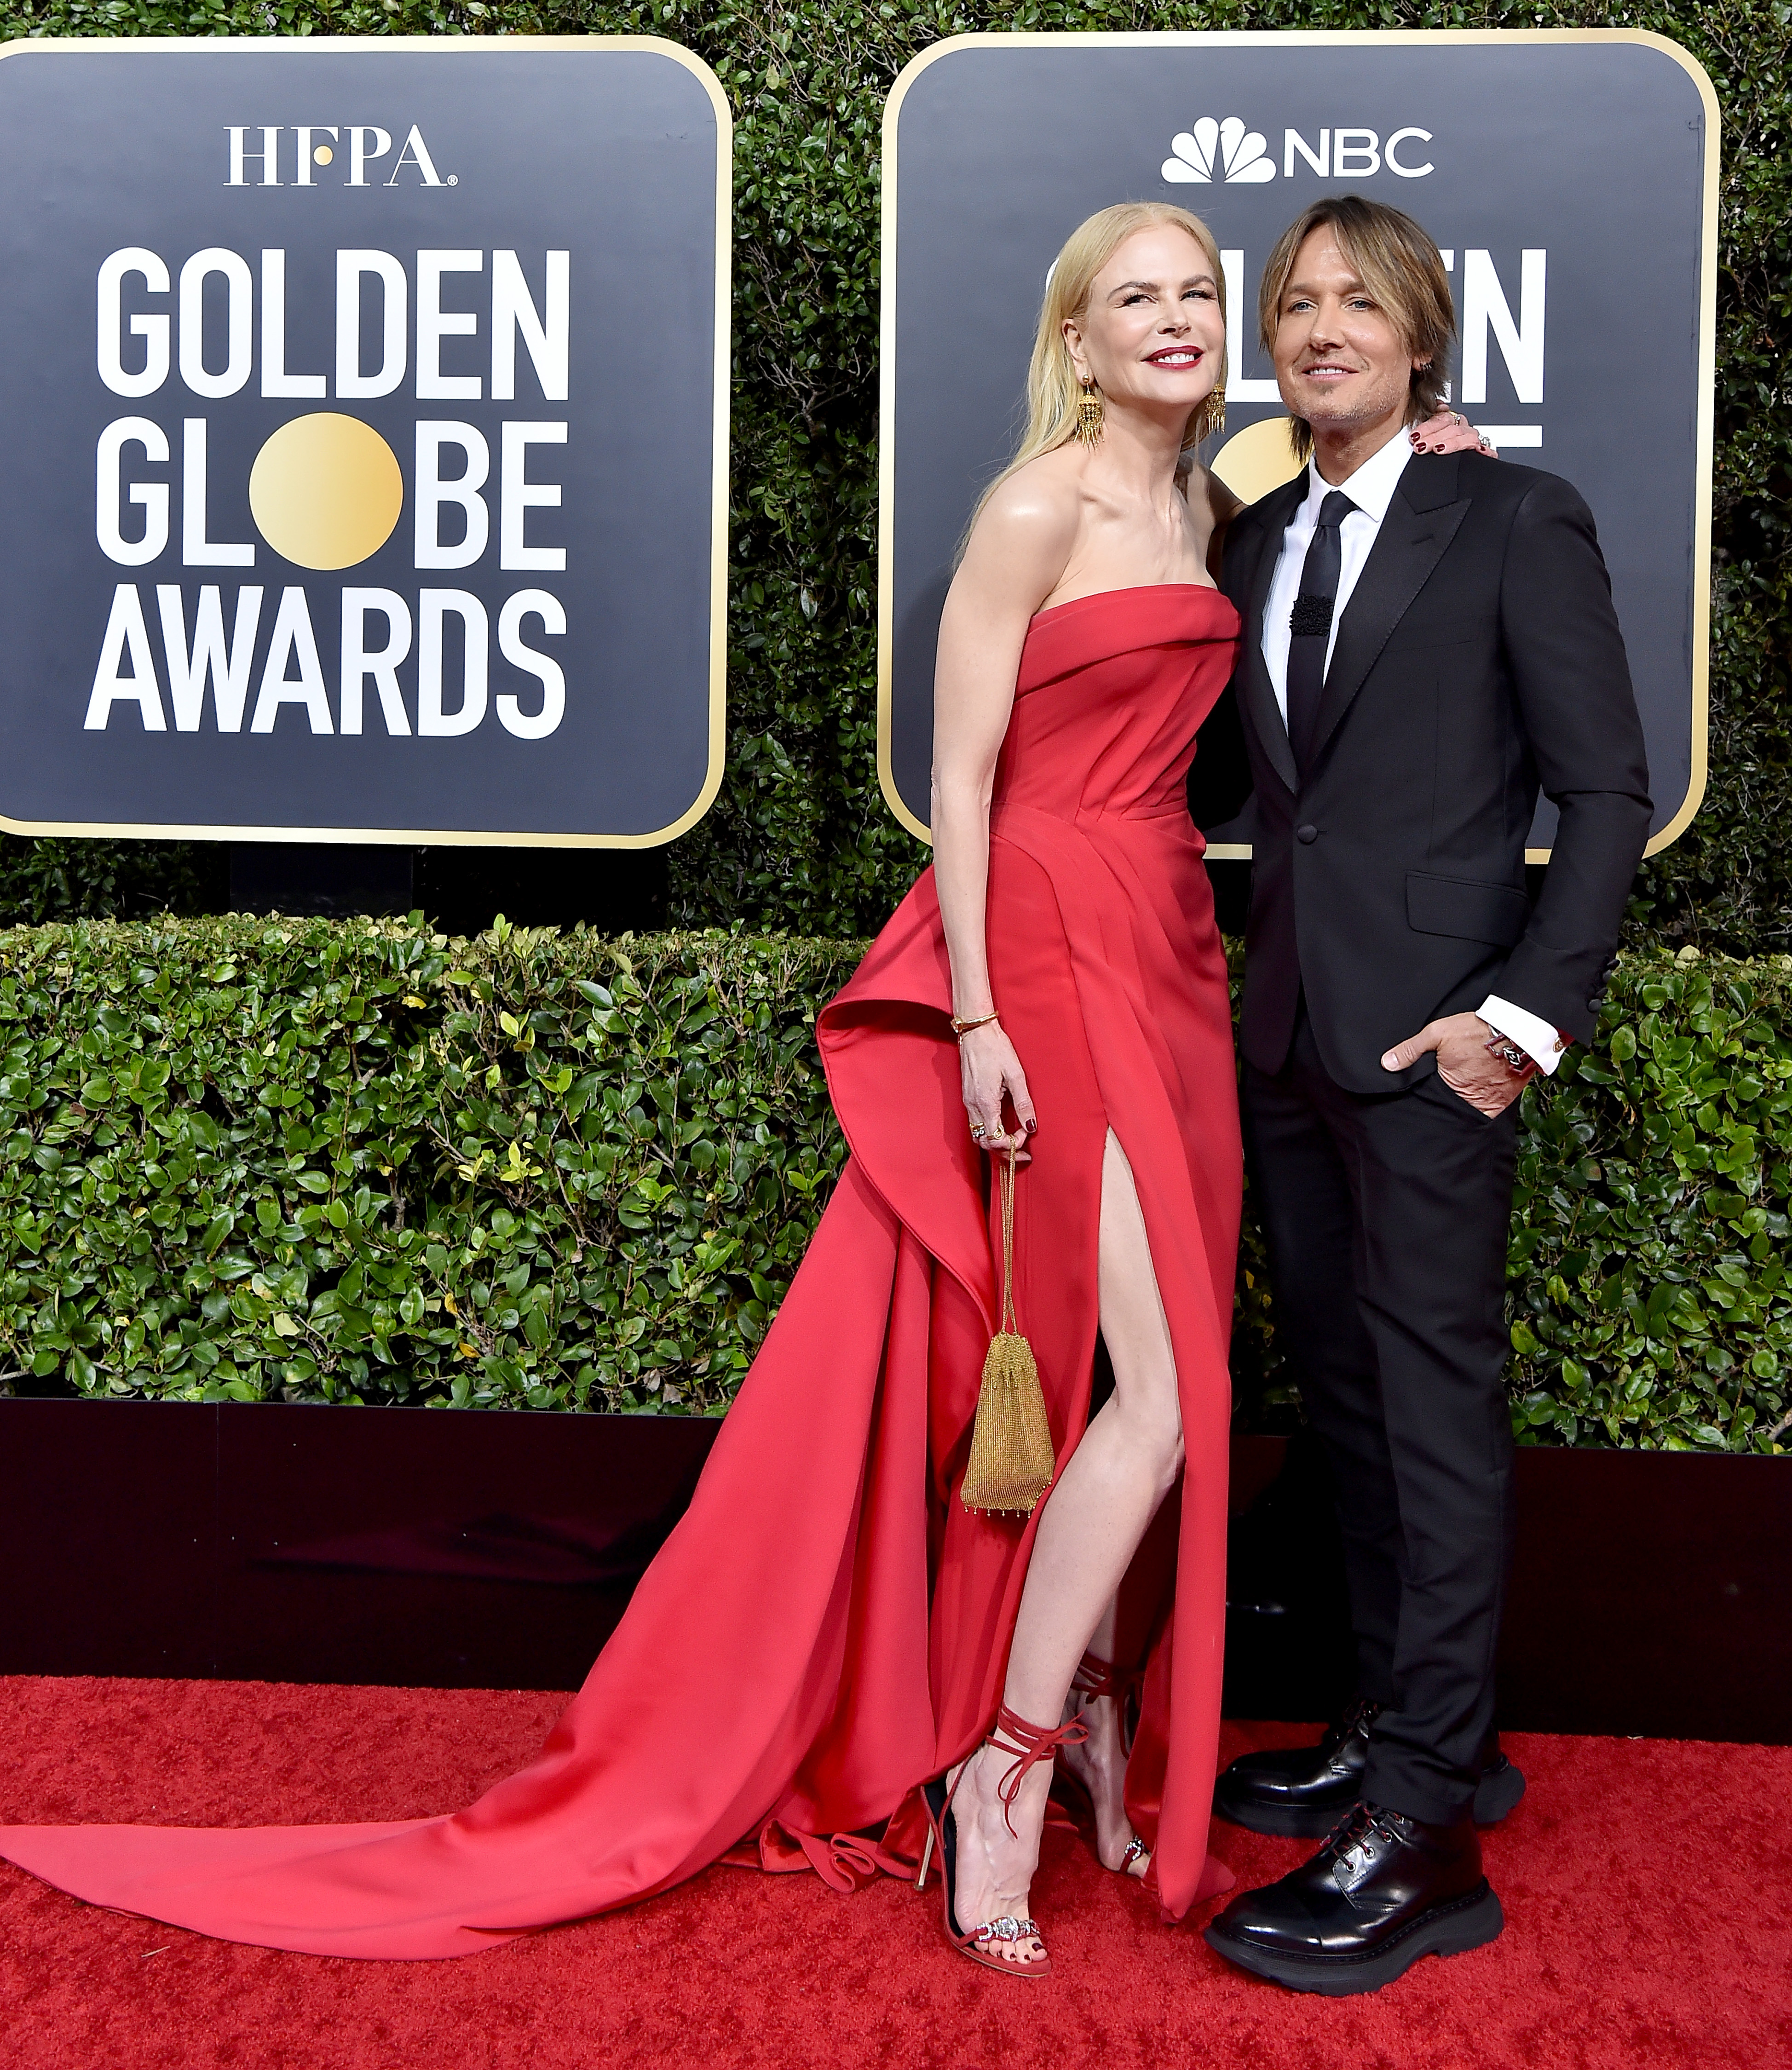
(1053, 391)
(1397, 262)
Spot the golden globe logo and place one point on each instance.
(326, 490)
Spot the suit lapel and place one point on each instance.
(1257, 692)
(1421, 522)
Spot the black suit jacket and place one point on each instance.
(1478, 659)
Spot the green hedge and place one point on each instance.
(311, 1161)
(799, 837)
(255, 1159)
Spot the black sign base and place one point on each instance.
(322, 878)
(609, 891)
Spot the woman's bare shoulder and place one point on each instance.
(1029, 523)
(1047, 491)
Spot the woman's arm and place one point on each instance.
(1016, 555)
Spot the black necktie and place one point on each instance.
(1309, 625)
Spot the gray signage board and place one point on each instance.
(363, 427)
(1569, 177)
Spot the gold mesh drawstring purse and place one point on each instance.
(1012, 1462)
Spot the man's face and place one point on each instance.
(1340, 361)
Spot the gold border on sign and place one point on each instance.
(1271, 38)
(492, 46)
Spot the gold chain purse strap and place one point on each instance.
(1012, 1461)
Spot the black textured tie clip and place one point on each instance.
(1311, 617)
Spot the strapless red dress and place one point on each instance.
(828, 1626)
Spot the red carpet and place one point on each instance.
(1647, 1887)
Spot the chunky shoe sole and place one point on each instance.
(1497, 1794)
(1445, 1929)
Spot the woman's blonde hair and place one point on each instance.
(1052, 389)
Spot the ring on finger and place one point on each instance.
(978, 1130)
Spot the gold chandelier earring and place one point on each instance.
(1090, 409)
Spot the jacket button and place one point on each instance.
(1306, 834)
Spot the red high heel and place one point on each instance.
(1028, 1744)
(1094, 1678)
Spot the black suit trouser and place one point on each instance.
(1386, 1219)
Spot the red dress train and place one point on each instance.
(828, 1626)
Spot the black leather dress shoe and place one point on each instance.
(1383, 1891)
(1301, 1793)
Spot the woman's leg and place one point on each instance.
(1099, 1762)
(1107, 1495)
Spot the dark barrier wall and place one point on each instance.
(464, 1550)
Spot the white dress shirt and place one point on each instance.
(1371, 489)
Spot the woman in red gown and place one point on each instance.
(829, 1628)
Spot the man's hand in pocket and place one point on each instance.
(1467, 1062)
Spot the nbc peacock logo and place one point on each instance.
(1240, 155)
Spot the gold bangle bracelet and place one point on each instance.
(961, 1028)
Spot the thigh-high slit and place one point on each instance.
(1119, 1469)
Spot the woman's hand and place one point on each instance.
(1449, 431)
(989, 1070)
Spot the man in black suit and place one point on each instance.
(1428, 639)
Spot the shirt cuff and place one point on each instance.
(1537, 1038)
